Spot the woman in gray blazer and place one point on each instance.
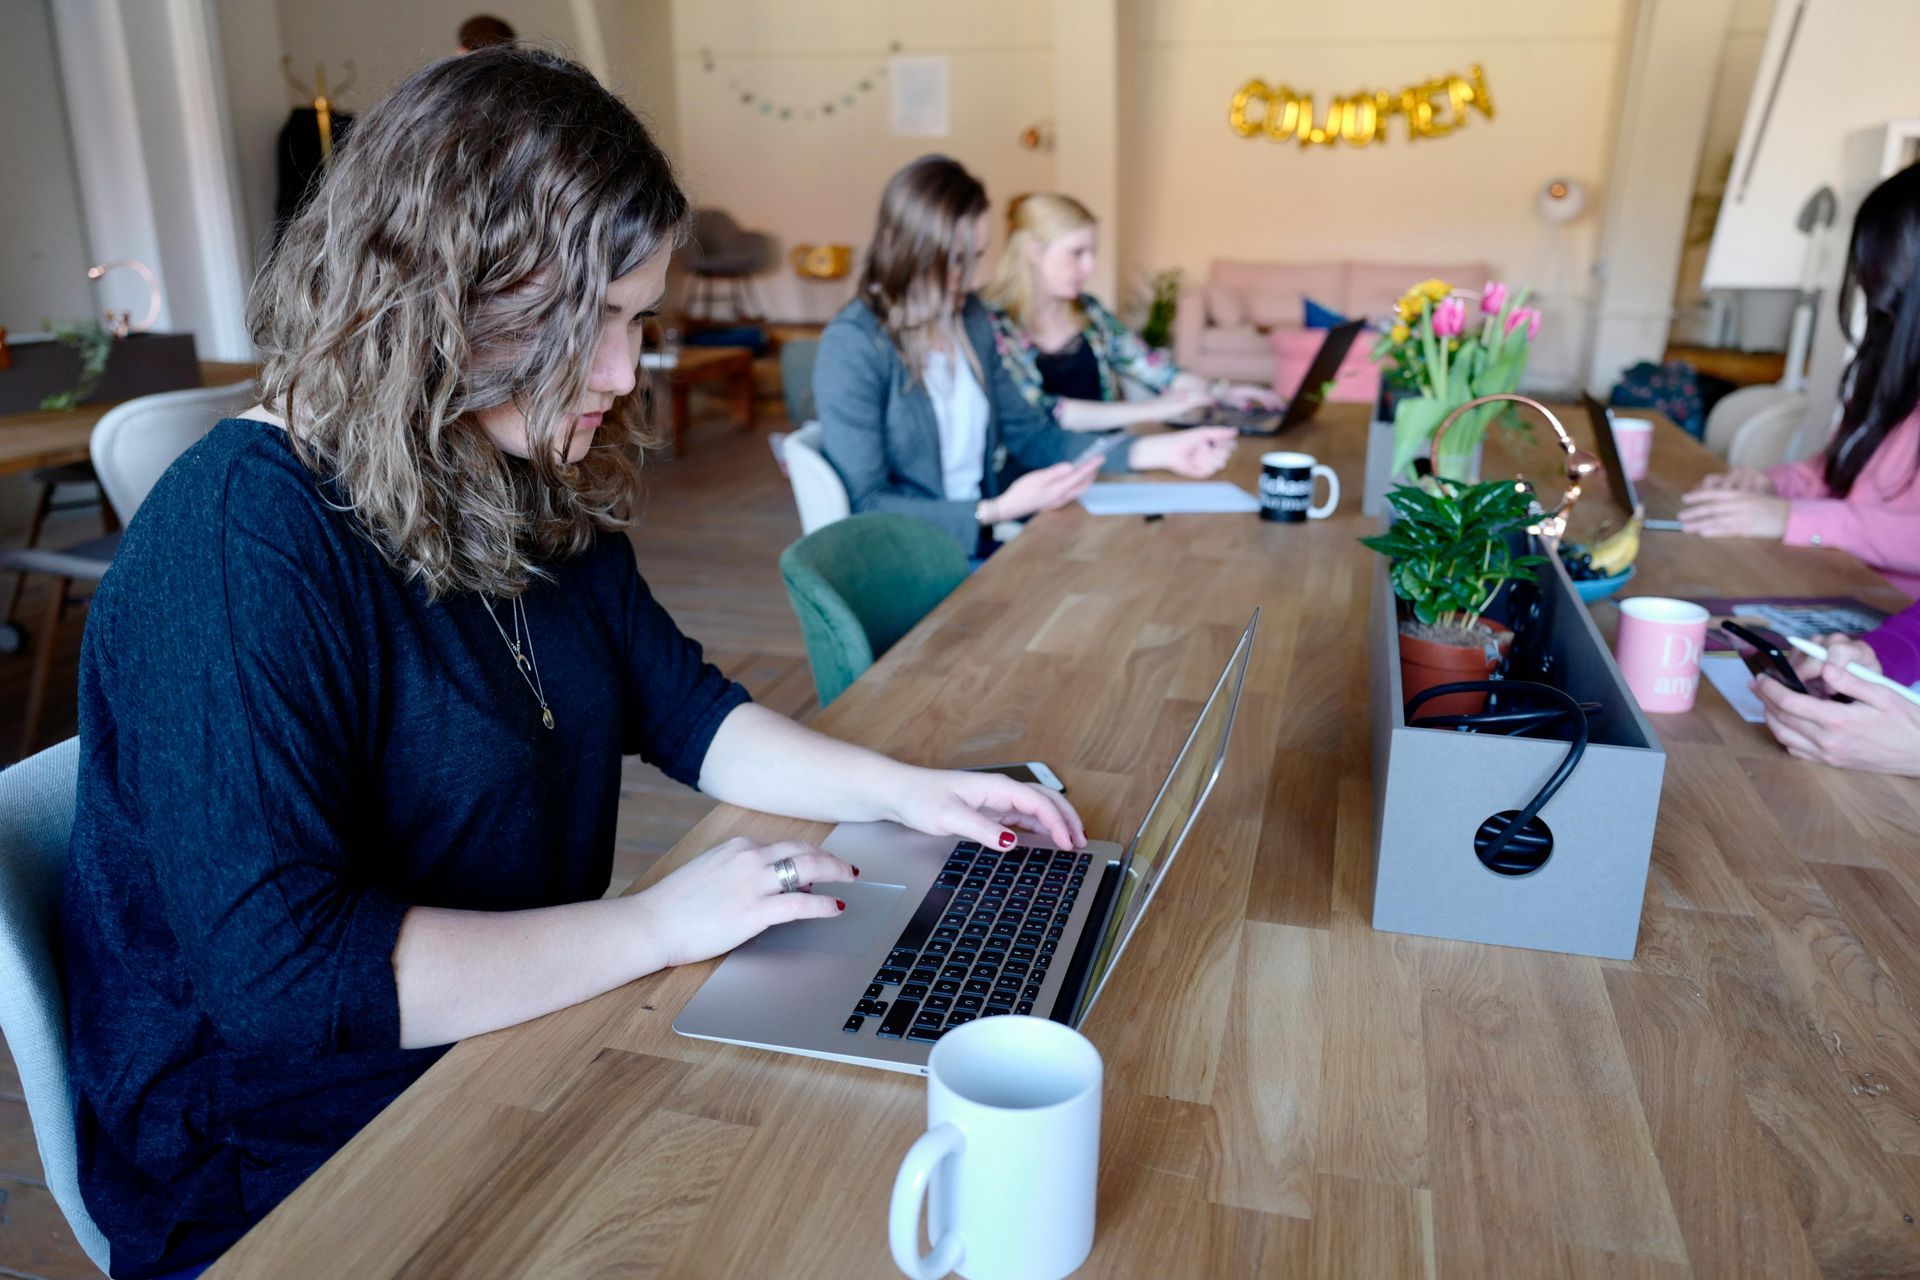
(918, 414)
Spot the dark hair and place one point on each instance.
(455, 258)
(483, 29)
(1882, 385)
(922, 242)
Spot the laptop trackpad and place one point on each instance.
(849, 933)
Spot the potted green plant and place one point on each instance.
(1163, 299)
(1451, 548)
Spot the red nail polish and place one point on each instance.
(839, 904)
(1006, 839)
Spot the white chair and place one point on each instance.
(817, 488)
(132, 445)
(36, 818)
(1734, 409)
(1764, 439)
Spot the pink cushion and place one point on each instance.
(1242, 341)
(1276, 309)
(1226, 306)
(1357, 382)
(1283, 287)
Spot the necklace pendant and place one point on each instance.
(546, 717)
(521, 661)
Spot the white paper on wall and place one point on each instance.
(921, 96)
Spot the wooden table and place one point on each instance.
(46, 438)
(1289, 1091)
(732, 366)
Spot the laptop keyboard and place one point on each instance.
(979, 943)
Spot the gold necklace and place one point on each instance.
(522, 661)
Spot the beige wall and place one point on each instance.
(1195, 191)
(819, 180)
(638, 38)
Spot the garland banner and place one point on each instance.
(1432, 109)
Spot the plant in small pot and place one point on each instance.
(1451, 548)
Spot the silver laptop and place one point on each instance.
(937, 933)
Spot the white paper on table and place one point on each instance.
(1730, 676)
(1150, 498)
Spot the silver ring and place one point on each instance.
(788, 873)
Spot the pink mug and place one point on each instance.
(1658, 649)
(1633, 437)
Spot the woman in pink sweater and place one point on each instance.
(1861, 494)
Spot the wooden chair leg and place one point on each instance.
(40, 509)
(43, 667)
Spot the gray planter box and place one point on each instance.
(1432, 788)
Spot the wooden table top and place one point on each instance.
(1288, 1090)
(45, 438)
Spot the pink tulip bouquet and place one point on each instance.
(1446, 347)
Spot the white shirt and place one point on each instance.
(960, 409)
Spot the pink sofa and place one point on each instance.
(1225, 328)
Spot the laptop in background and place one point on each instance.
(938, 932)
(1624, 489)
(1307, 397)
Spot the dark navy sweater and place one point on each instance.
(284, 746)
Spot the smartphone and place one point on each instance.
(1031, 771)
(1101, 447)
(1762, 656)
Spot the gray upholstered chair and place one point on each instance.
(36, 817)
(723, 254)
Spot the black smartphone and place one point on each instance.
(1762, 656)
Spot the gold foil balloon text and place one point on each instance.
(1431, 109)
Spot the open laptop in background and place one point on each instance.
(1306, 398)
(1624, 490)
(938, 932)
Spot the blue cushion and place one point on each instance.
(1319, 317)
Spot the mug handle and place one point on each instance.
(1333, 493)
(909, 1191)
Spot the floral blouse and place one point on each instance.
(1117, 349)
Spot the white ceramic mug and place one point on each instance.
(1010, 1158)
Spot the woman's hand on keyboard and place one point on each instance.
(982, 806)
(731, 892)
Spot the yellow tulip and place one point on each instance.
(1400, 333)
(1437, 289)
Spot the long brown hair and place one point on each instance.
(457, 258)
(1882, 384)
(923, 244)
(1037, 219)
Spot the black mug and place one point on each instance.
(1286, 487)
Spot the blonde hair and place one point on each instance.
(456, 258)
(1037, 219)
(922, 242)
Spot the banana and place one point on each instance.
(1618, 550)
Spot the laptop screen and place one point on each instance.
(1171, 816)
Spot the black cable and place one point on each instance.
(1520, 834)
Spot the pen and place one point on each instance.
(1819, 654)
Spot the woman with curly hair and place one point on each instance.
(355, 694)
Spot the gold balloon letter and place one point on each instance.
(1250, 92)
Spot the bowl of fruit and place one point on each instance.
(1602, 569)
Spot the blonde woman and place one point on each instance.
(1064, 351)
(354, 699)
(919, 415)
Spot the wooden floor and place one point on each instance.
(715, 523)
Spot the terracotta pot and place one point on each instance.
(1425, 663)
